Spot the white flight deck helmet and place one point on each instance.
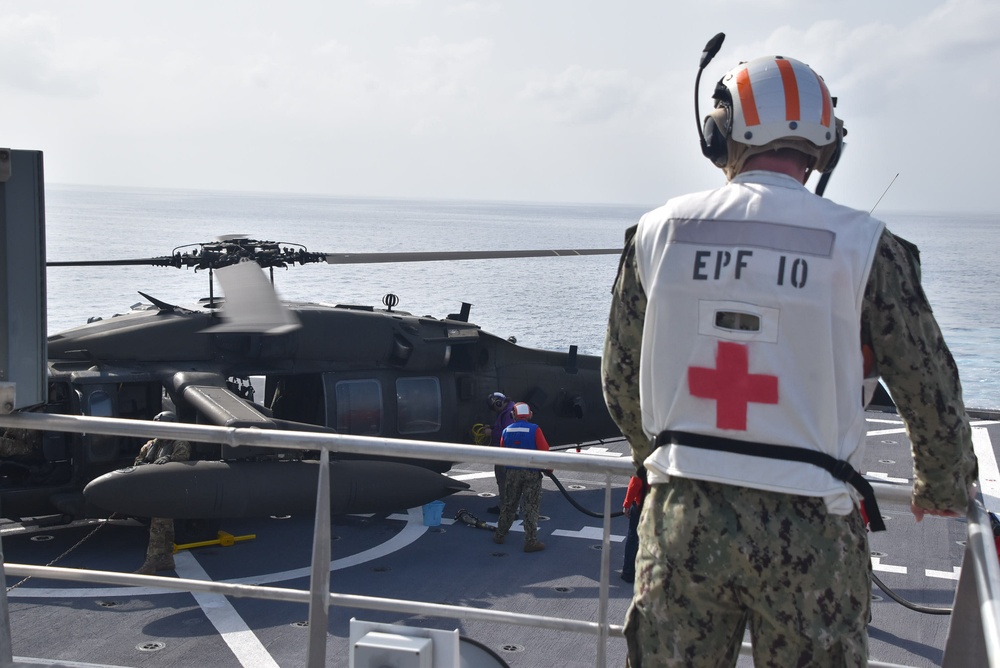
(770, 103)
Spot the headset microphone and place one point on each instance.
(711, 49)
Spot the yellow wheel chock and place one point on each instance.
(224, 539)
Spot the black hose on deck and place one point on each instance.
(907, 604)
(569, 497)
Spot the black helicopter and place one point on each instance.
(346, 368)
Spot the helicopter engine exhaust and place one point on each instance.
(218, 490)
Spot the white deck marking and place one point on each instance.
(944, 575)
(878, 566)
(600, 452)
(592, 533)
(886, 477)
(406, 518)
(472, 476)
(413, 530)
(245, 645)
(886, 432)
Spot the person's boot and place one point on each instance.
(154, 564)
(498, 538)
(534, 546)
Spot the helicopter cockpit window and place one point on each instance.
(359, 407)
(100, 404)
(418, 405)
(100, 447)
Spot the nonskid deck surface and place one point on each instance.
(395, 556)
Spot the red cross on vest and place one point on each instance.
(732, 386)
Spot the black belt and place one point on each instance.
(838, 468)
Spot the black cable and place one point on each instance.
(572, 501)
(927, 610)
(485, 649)
(907, 604)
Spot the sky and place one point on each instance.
(571, 101)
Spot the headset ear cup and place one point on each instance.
(838, 149)
(716, 133)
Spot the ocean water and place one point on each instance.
(548, 303)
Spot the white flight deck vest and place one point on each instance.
(752, 332)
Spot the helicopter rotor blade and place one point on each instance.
(151, 261)
(434, 256)
(251, 304)
(216, 255)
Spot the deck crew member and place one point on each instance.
(733, 364)
(523, 484)
(635, 495)
(502, 407)
(160, 551)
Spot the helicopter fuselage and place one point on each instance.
(353, 369)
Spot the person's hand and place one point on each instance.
(162, 460)
(920, 512)
(626, 511)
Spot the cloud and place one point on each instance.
(436, 67)
(579, 95)
(955, 42)
(37, 58)
(474, 7)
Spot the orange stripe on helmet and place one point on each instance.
(827, 102)
(747, 101)
(791, 86)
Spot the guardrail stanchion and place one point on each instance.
(319, 581)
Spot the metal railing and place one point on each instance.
(969, 643)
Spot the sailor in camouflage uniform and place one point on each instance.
(160, 551)
(524, 485)
(731, 537)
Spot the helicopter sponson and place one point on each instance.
(219, 490)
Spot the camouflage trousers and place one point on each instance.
(526, 483)
(714, 558)
(500, 473)
(161, 538)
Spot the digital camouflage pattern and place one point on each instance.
(160, 550)
(622, 347)
(524, 486)
(163, 448)
(21, 443)
(913, 359)
(161, 540)
(714, 557)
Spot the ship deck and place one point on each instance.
(394, 555)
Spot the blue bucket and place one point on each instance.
(432, 513)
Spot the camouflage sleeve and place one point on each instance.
(181, 451)
(920, 372)
(144, 452)
(622, 345)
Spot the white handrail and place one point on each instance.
(983, 554)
